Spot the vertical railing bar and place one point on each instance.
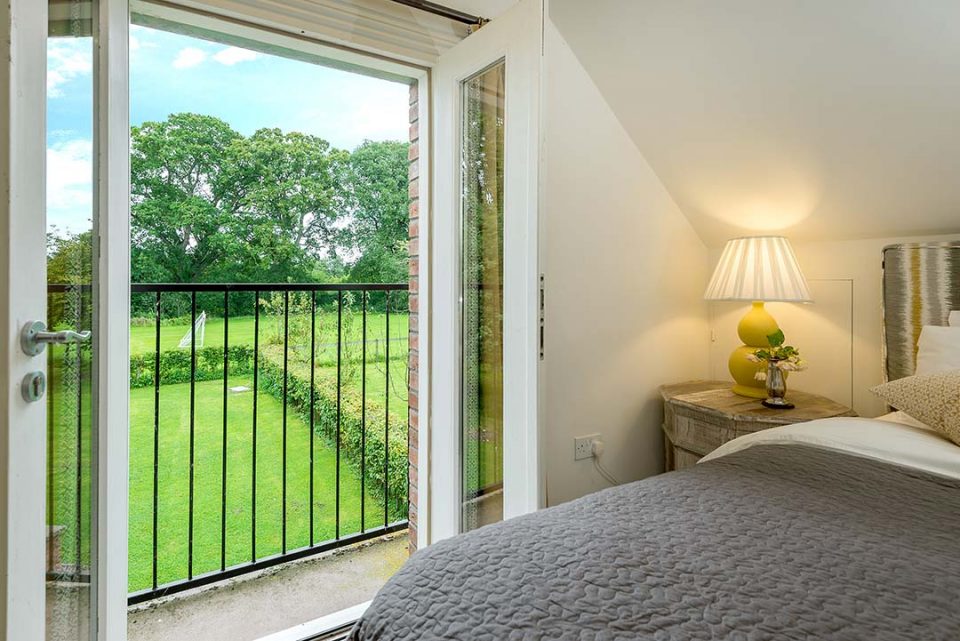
(156, 435)
(223, 456)
(478, 450)
(363, 420)
(79, 488)
(193, 404)
(386, 422)
(313, 367)
(339, 354)
(286, 352)
(78, 561)
(253, 475)
(51, 455)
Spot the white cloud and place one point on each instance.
(141, 39)
(232, 55)
(189, 57)
(65, 61)
(70, 184)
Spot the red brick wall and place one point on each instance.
(414, 363)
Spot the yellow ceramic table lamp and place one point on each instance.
(757, 270)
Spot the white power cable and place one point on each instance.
(596, 448)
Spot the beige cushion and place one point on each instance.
(932, 399)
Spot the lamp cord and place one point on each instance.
(596, 448)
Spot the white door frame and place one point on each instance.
(23, 297)
(515, 38)
(112, 339)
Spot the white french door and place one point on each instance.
(63, 413)
(484, 281)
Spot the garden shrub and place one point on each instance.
(175, 365)
(351, 424)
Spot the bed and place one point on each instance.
(842, 529)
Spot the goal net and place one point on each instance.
(199, 327)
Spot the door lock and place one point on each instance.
(33, 386)
(34, 337)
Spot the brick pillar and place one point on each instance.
(413, 423)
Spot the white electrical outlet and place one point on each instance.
(583, 446)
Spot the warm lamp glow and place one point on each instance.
(757, 269)
(760, 268)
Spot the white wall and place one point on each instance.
(625, 277)
(840, 334)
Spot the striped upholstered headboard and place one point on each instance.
(921, 285)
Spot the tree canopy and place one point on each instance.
(379, 212)
(212, 205)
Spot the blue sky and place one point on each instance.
(172, 73)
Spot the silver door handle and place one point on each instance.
(34, 337)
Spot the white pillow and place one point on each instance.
(903, 419)
(938, 349)
(954, 319)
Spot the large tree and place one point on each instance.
(290, 195)
(379, 212)
(212, 205)
(183, 213)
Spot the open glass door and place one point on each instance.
(485, 285)
(64, 282)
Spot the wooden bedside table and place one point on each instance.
(700, 416)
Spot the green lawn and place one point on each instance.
(241, 332)
(173, 482)
(143, 337)
(174, 475)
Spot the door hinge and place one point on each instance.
(541, 316)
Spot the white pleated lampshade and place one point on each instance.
(761, 268)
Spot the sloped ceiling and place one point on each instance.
(819, 119)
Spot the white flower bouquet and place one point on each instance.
(784, 357)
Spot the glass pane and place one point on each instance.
(482, 285)
(70, 230)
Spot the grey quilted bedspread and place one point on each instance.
(774, 542)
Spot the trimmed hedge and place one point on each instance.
(175, 365)
(351, 424)
(175, 368)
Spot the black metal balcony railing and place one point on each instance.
(333, 386)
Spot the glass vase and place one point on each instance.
(776, 388)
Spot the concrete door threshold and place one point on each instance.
(325, 625)
(322, 590)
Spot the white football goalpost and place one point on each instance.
(199, 327)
